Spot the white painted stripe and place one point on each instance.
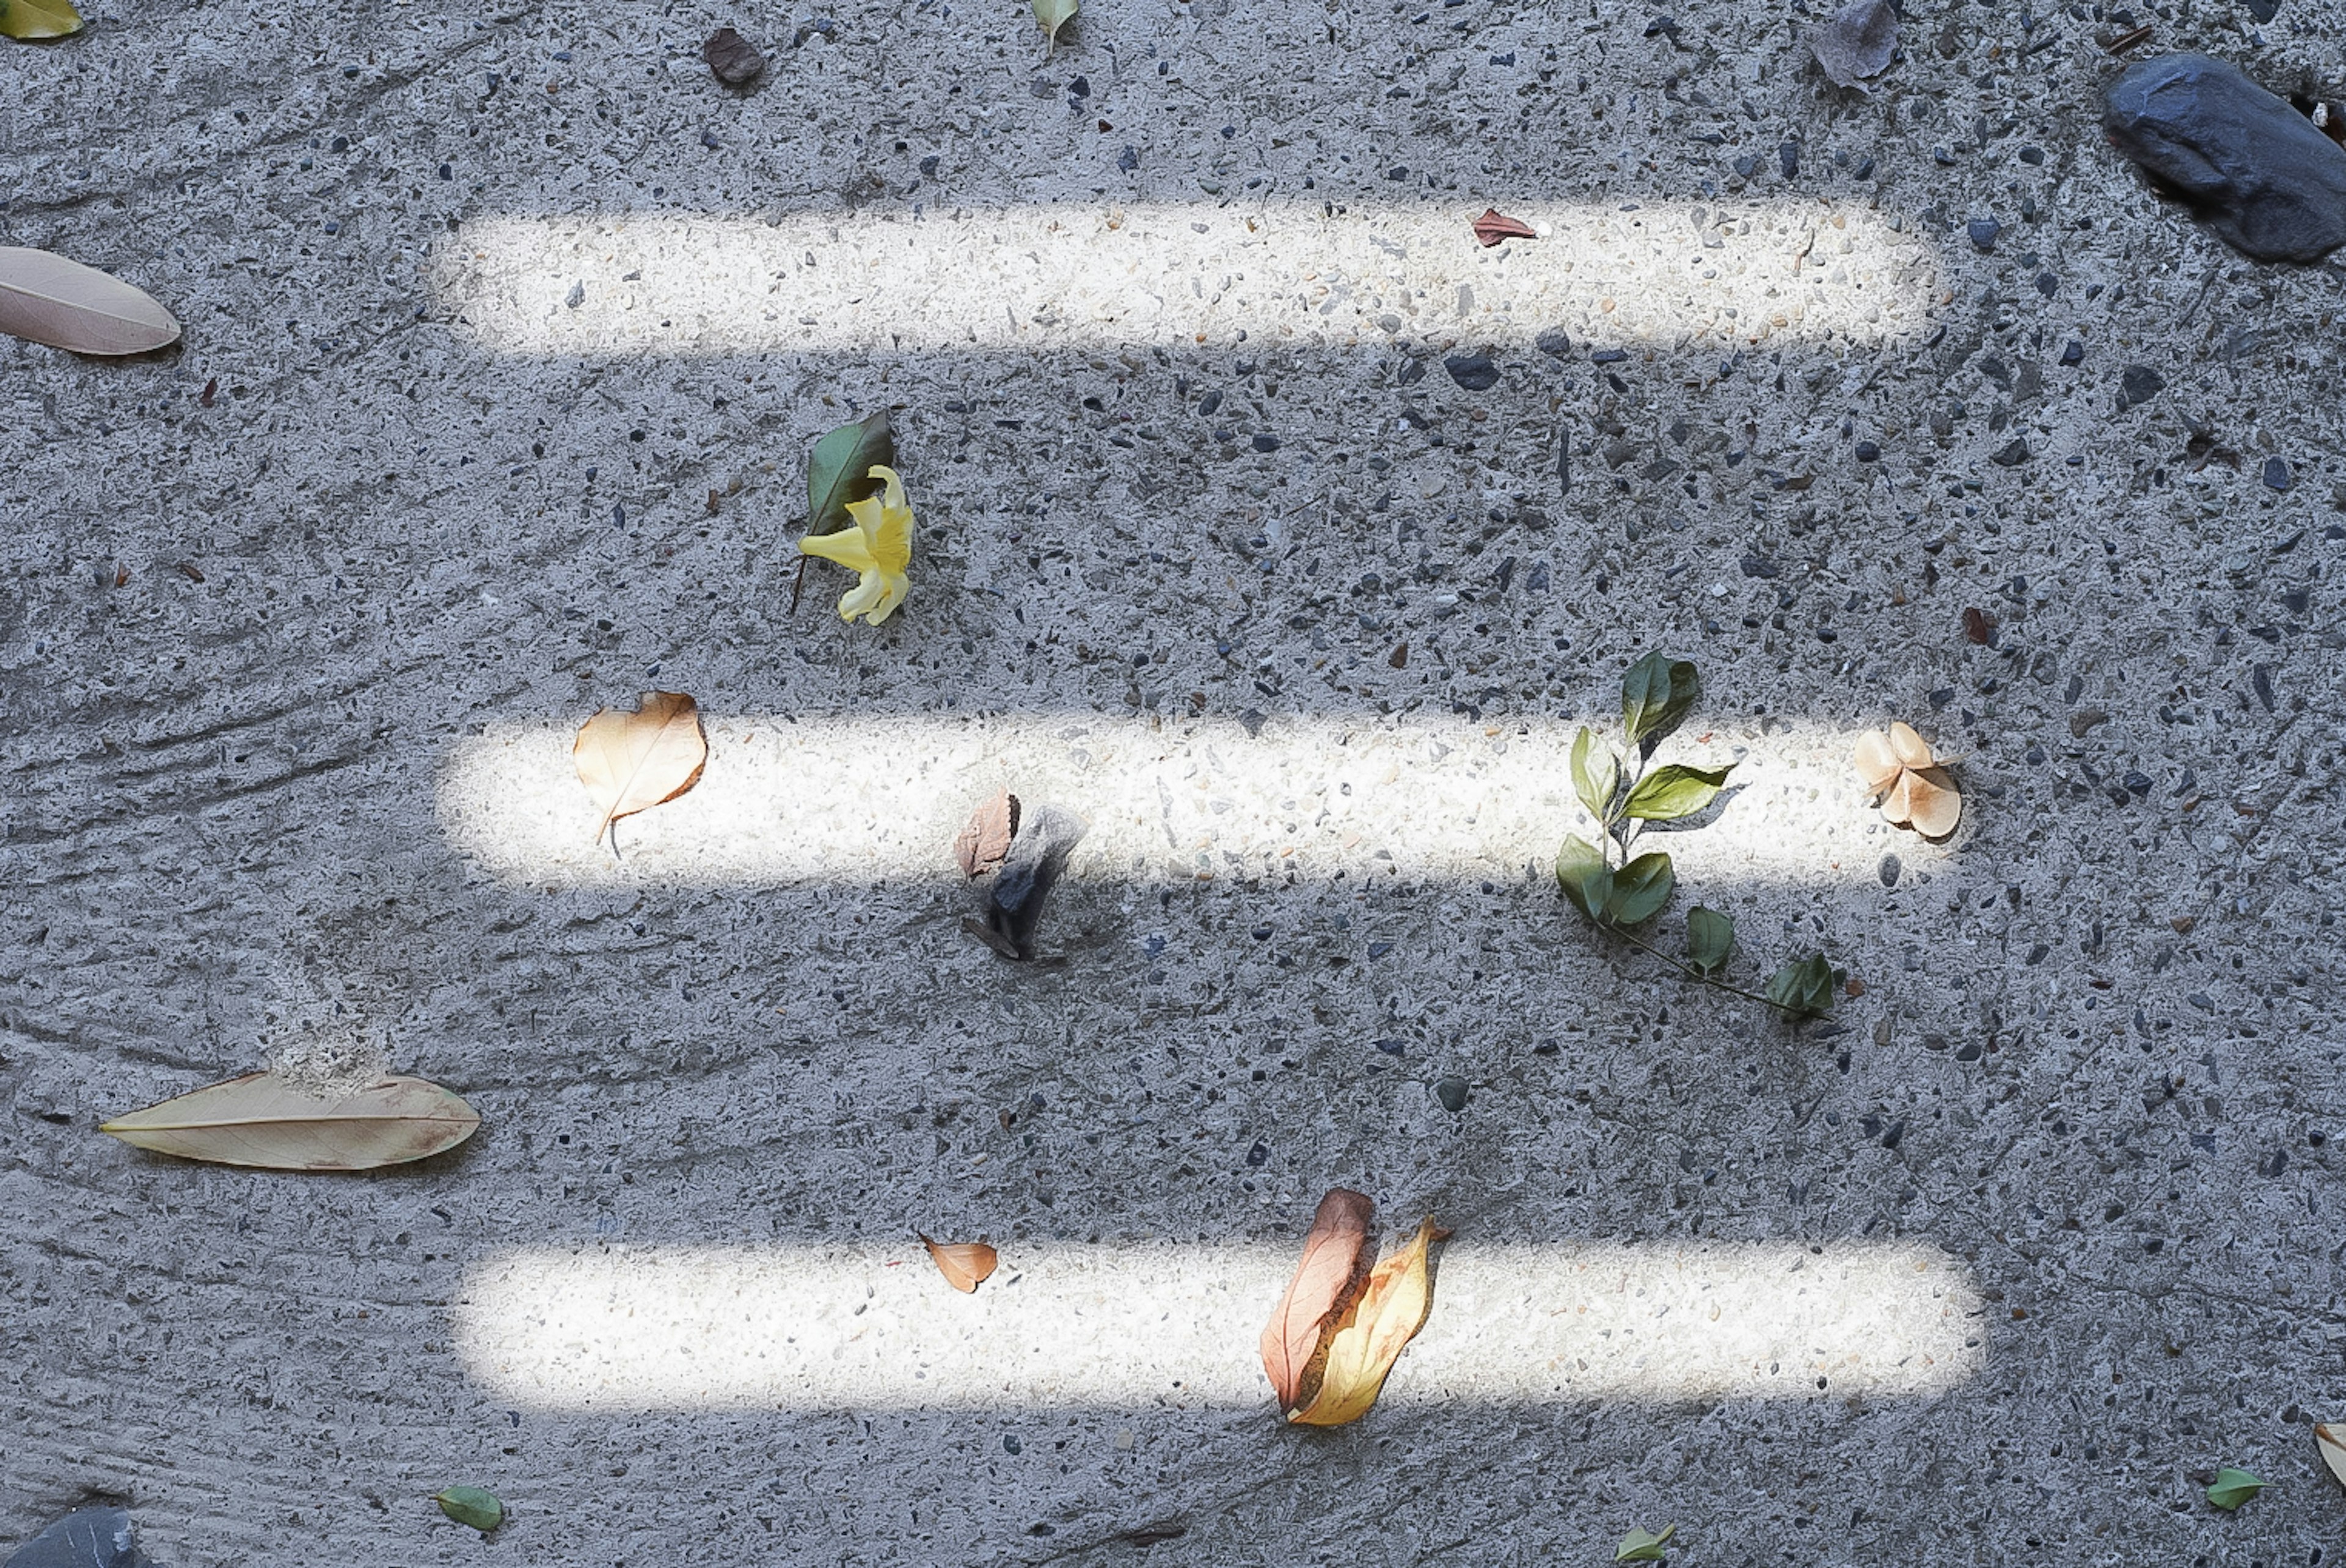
(1670, 274)
(619, 1329)
(833, 799)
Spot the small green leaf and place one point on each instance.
(39, 18)
(1673, 792)
(1803, 986)
(1639, 1547)
(1052, 14)
(1640, 889)
(472, 1505)
(1710, 938)
(2233, 1488)
(838, 470)
(1654, 697)
(1580, 871)
(1595, 772)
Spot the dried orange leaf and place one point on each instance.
(2331, 1442)
(1322, 1285)
(965, 1264)
(983, 844)
(629, 762)
(1373, 1335)
(1495, 225)
(50, 300)
(261, 1119)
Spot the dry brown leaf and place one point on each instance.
(1325, 1283)
(2331, 1442)
(631, 761)
(261, 1119)
(983, 844)
(1495, 225)
(965, 1264)
(50, 300)
(1914, 785)
(1374, 1333)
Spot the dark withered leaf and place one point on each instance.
(986, 840)
(1977, 625)
(1495, 225)
(1038, 854)
(733, 58)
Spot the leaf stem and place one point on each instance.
(1694, 974)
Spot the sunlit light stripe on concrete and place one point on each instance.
(838, 799)
(672, 1328)
(1670, 274)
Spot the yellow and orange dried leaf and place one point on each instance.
(965, 1264)
(632, 761)
(1374, 1333)
(1324, 1284)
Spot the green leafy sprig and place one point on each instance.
(1616, 888)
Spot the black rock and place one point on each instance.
(1788, 159)
(2139, 383)
(2264, 10)
(2253, 168)
(1476, 372)
(2277, 476)
(1452, 1091)
(85, 1538)
(2012, 456)
(1266, 442)
(1013, 904)
(1984, 231)
(1867, 451)
(2073, 353)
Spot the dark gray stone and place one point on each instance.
(2014, 456)
(2139, 383)
(2254, 169)
(85, 1538)
(1452, 1093)
(2277, 476)
(1554, 345)
(1983, 232)
(1476, 372)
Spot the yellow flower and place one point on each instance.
(880, 546)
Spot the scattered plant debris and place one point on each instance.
(1043, 839)
(1052, 14)
(630, 762)
(265, 1120)
(2232, 1487)
(1325, 1279)
(983, 844)
(95, 1537)
(2331, 1442)
(858, 516)
(30, 19)
(1364, 1341)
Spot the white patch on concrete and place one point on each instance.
(844, 799)
(1060, 1325)
(1059, 276)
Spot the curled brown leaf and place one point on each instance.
(982, 845)
(1495, 226)
(965, 1264)
(1325, 1282)
(1373, 1334)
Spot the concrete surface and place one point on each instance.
(269, 798)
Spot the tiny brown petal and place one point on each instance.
(965, 1264)
(1495, 225)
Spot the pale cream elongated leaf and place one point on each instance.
(66, 305)
(38, 19)
(1373, 1335)
(2331, 1442)
(1052, 14)
(1325, 1279)
(261, 1119)
(631, 761)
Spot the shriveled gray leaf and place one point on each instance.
(50, 300)
(1856, 42)
(1013, 907)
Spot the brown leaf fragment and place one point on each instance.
(193, 573)
(2127, 40)
(1399, 657)
(1371, 1336)
(1324, 1284)
(211, 387)
(982, 845)
(712, 503)
(732, 59)
(965, 1264)
(631, 761)
(1978, 624)
(2330, 1441)
(1495, 225)
(261, 1119)
(121, 576)
(50, 300)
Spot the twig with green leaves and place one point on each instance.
(1618, 889)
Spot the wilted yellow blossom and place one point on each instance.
(880, 546)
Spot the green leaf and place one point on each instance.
(838, 470)
(1654, 697)
(2233, 1488)
(1594, 781)
(472, 1505)
(1710, 938)
(1640, 889)
(1803, 986)
(1639, 1547)
(1580, 871)
(1052, 14)
(1672, 791)
(38, 18)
